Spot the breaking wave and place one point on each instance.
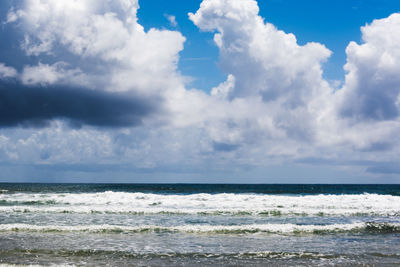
(207, 204)
(369, 227)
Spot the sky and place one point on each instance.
(200, 91)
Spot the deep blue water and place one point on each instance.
(301, 189)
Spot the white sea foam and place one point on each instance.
(201, 228)
(121, 202)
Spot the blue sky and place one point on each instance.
(200, 91)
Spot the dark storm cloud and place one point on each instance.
(36, 106)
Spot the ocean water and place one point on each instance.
(199, 225)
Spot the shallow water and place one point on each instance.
(180, 225)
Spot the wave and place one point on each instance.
(195, 255)
(26, 203)
(262, 213)
(257, 258)
(206, 204)
(369, 227)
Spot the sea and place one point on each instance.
(199, 225)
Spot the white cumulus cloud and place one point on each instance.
(372, 86)
(106, 34)
(268, 72)
(7, 72)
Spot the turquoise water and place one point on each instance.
(197, 225)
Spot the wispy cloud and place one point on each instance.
(172, 20)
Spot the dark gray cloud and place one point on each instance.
(378, 146)
(385, 168)
(372, 104)
(371, 166)
(334, 162)
(36, 106)
(224, 147)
